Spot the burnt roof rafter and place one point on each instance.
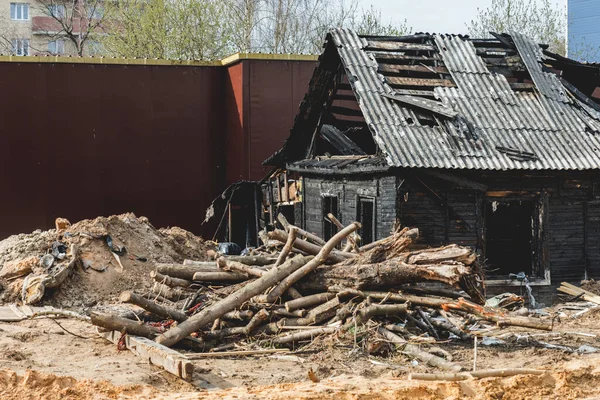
(448, 101)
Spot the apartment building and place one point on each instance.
(30, 27)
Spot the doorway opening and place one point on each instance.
(365, 214)
(329, 205)
(509, 238)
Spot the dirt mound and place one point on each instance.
(575, 380)
(36, 385)
(100, 274)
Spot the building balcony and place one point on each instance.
(43, 25)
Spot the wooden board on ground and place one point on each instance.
(170, 360)
(14, 313)
(577, 291)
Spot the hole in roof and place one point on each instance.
(410, 121)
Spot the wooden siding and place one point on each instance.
(382, 189)
(446, 211)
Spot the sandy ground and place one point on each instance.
(38, 359)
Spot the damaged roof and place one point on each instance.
(447, 101)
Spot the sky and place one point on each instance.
(434, 16)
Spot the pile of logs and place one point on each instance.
(383, 296)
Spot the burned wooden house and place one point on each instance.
(490, 143)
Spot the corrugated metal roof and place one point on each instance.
(560, 132)
(340, 164)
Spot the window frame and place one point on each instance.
(21, 45)
(57, 43)
(19, 8)
(60, 8)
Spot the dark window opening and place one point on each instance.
(509, 237)
(365, 214)
(288, 213)
(329, 205)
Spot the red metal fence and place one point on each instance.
(78, 140)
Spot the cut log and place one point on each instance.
(438, 255)
(256, 321)
(415, 352)
(173, 294)
(351, 240)
(501, 320)
(308, 301)
(390, 273)
(321, 313)
(229, 265)
(169, 281)
(150, 306)
(449, 327)
(310, 236)
(289, 244)
(386, 310)
(321, 257)
(309, 334)
(434, 302)
(220, 276)
(309, 248)
(114, 323)
(253, 260)
(184, 271)
(282, 312)
(394, 246)
(234, 300)
(242, 315)
(199, 263)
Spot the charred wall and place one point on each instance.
(447, 212)
(454, 207)
(348, 190)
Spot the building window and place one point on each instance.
(329, 205)
(94, 48)
(56, 46)
(56, 10)
(20, 47)
(365, 214)
(19, 11)
(96, 12)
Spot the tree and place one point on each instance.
(77, 20)
(299, 26)
(210, 29)
(184, 29)
(370, 23)
(539, 19)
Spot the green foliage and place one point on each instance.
(370, 23)
(212, 29)
(181, 29)
(541, 20)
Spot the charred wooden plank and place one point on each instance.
(397, 46)
(401, 68)
(402, 81)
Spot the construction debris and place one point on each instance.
(300, 292)
(293, 294)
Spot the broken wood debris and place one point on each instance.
(280, 299)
